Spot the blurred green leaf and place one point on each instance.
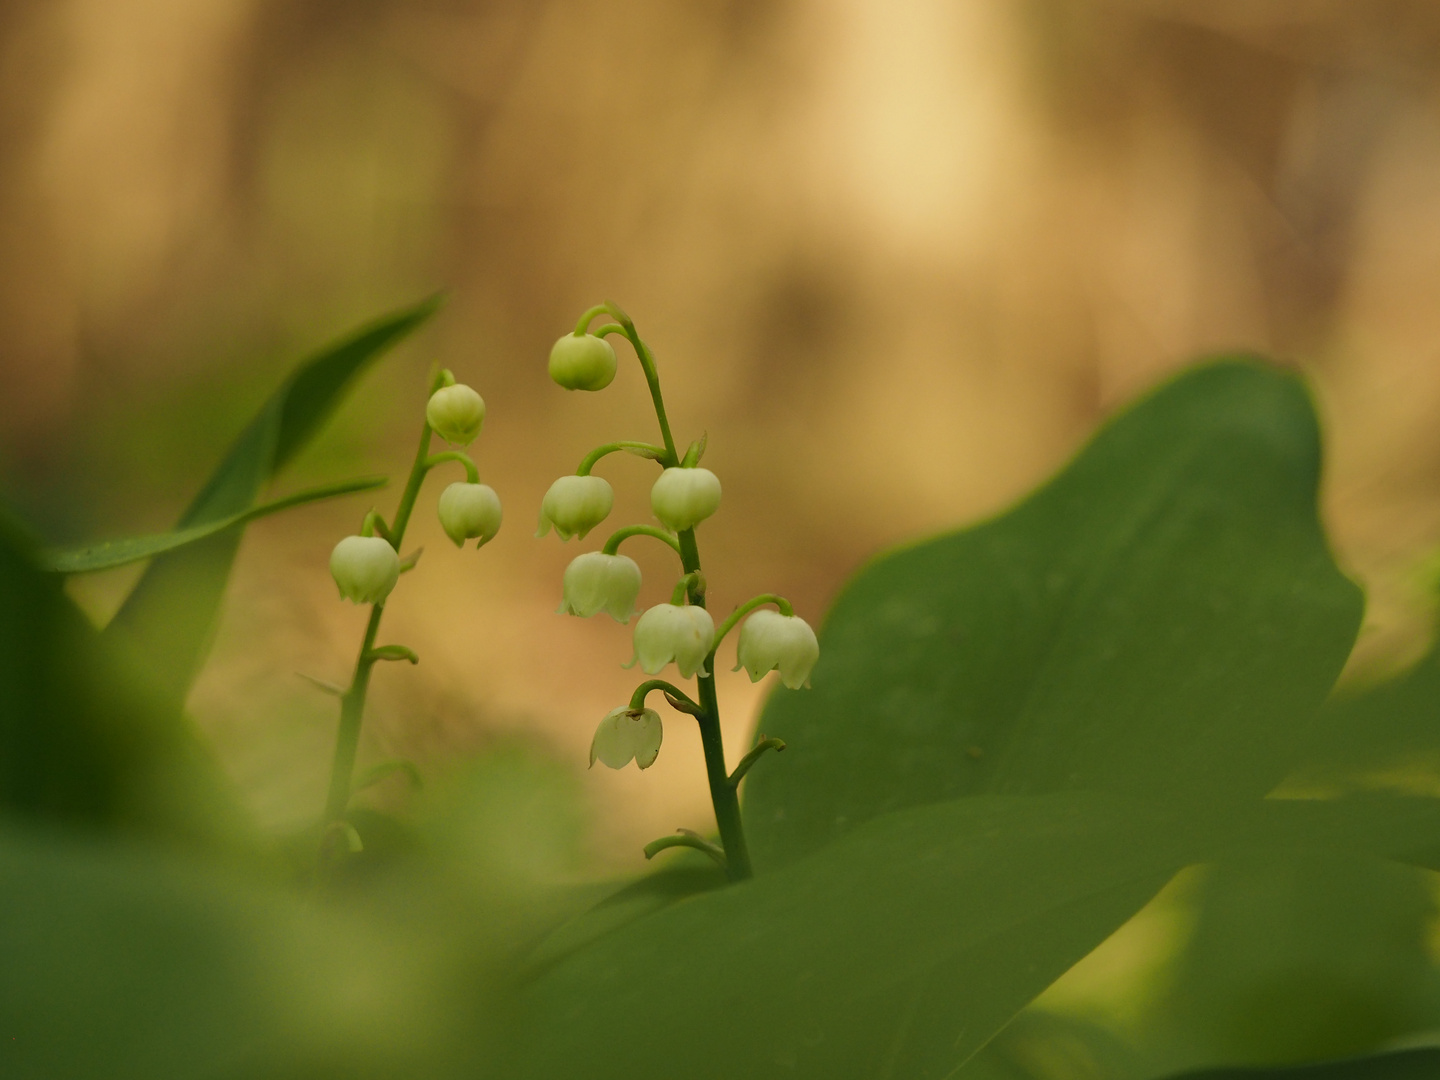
(170, 615)
(1297, 956)
(83, 738)
(1162, 618)
(1392, 724)
(1418, 1064)
(112, 553)
(122, 961)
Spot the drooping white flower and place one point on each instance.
(596, 582)
(456, 413)
(770, 640)
(627, 734)
(575, 505)
(468, 511)
(582, 362)
(682, 498)
(679, 632)
(365, 567)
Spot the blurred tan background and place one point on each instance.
(897, 258)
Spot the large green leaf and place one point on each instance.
(955, 914)
(1162, 618)
(905, 945)
(1419, 1064)
(170, 616)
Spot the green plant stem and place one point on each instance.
(723, 794)
(352, 705)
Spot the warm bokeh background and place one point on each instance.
(897, 258)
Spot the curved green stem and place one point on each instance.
(652, 377)
(639, 449)
(352, 705)
(755, 754)
(620, 535)
(585, 320)
(471, 472)
(685, 838)
(749, 606)
(692, 584)
(678, 697)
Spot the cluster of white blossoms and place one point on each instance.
(677, 631)
(366, 568)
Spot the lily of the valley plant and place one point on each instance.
(679, 630)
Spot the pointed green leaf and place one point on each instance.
(113, 553)
(170, 616)
(1162, 618)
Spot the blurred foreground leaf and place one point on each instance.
(121, 961)
(1419, 1064)
(112, 553)
(83, 739)
(1162, 618)
(170, 615)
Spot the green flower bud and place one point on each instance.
(456, 413)
(468, 511)
(596, 582)
(627, 734)
(769, 640)
(575, 505)
(682, 633)
(682, 498)
(582, 362)
(366, 568)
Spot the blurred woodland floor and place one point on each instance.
(897, 259)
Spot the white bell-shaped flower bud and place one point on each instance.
(769, 640)
(627, 735)
(470, 511)
(679, 632)
(365, 567)
(575, 505)
(456, 413)
(596, 582)
(682, 498)
(582, 362)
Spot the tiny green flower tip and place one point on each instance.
(456, 413)
(582, 362)
(626, 735)
(574, 505)
(469, 512)
(682, 498)
(365, 568)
